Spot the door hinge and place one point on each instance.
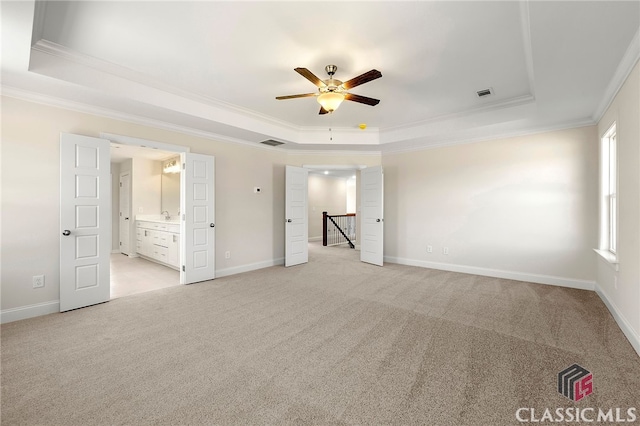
(184, 166)
(120, 242)
(183, 268)
(120, 184)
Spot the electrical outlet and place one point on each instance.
(445, 250)
(227, 255)
(429, 249)
(38, 281)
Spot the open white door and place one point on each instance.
(125, 212)
(85, 221)
(296, 227)
(372, 215)
(197, 229)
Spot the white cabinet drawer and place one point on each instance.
(159, 241)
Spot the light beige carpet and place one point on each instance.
(334, 341)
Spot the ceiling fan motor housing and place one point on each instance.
(331, 69)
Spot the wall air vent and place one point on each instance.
(271, 142)
(484, 92)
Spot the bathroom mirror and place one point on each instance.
(170, 191)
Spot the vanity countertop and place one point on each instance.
(157, 218)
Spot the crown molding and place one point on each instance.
(399, 149)
(415, 129)
(66, 54)
(316, 152)
(393, 148)
(52, 101)
(629, 60)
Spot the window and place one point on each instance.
(609, 189)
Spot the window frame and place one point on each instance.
(609, 191)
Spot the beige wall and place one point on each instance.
(524, 205)
(624, 296)
(325, 194)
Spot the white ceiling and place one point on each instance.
(214, 68)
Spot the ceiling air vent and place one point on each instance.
(271, 142)
(484, 92)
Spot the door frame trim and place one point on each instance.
(119, 211)
(144, 143)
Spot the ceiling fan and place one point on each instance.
(332, 92)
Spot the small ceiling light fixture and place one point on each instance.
(326, 172)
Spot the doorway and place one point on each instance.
(88, 230)
(369, 208)
(140, 170)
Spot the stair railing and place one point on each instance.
(338, 229)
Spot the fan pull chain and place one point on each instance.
(330, 134)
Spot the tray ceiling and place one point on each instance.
(215, 68)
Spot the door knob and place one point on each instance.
(288, 220)
(377, 220)
(66, 232)
(212, 225)
(126, 218)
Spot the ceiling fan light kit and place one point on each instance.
(332, 92)
(330, 101)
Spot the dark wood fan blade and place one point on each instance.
(310, 76)
(362, 99)
(361, 79)
(305, 95)
(323, 111)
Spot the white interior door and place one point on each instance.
(372, 212)
(296, 227)
(85, 221)
(198, 218)
(125, 212)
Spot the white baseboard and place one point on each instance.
(314, 239)
(29, 311)
(115, 251)
(250, 267)
(497, 273)
(632, 336)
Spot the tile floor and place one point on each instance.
(132, 275)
